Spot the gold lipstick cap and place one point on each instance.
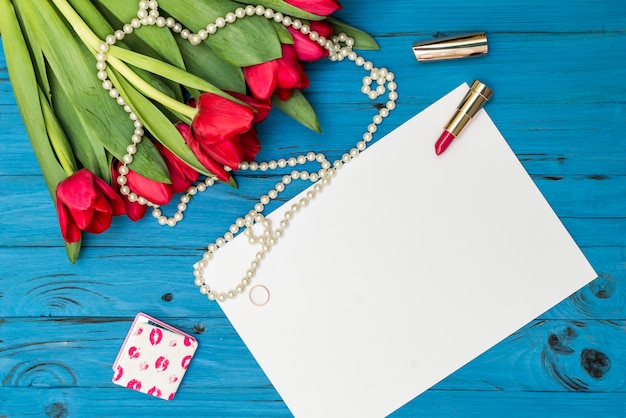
(451, 47)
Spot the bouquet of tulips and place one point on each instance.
(194, 92)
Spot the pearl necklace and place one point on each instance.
(339, 47)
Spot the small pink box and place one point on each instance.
(153, 358)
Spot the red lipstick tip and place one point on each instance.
(443, 142)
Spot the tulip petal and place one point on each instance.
(261, 78)
(69, 229)
(116, 202)
(228, 153)
(100, 222)
(318, 7)
(155, 192)
(206, 160)
(135, 211)
(283, 94)
(250, 144)
(77, 191)
(219, 119)
(307, 50)
(181, 175)
(262, 107)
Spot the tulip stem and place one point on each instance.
(150, 91)
(83, 31)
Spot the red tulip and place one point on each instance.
(181, 175)
(205, 159)
(262, 107)
(217, 127)
(277, 76)
(318, 7)
(306, 49)
(154, 191)
(86, 203)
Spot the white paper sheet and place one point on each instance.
(405, 268)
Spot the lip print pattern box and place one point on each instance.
(153, 358)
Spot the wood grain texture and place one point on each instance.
(557, 70)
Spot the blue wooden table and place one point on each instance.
(558, 71)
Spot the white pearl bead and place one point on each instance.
(195, 39)
(230, 17)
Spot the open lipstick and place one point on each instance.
(474, 100)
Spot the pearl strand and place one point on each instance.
(339, 47)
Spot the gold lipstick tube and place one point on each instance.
(474, 100)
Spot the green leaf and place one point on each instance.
(202, 61)
(299, 108)
(37, 57)
(75, 70)
(77, 126)
(58, 139)
(249, 41)
(147, 39)
(361, 39)
(24, 83)
(283, 33)
(287, 9)
(166, 70)
(158, 124)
